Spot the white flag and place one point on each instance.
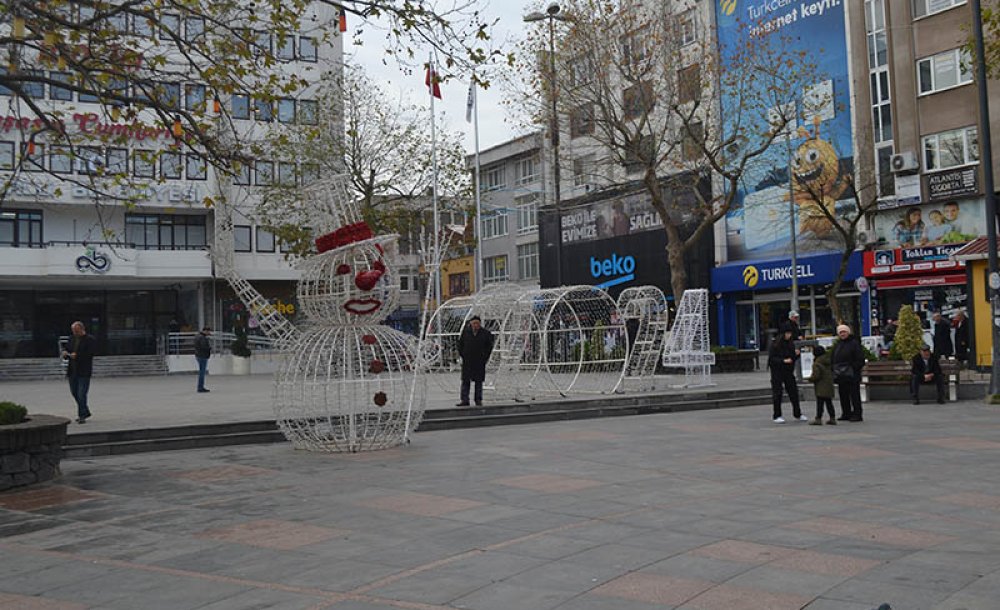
(470, 102)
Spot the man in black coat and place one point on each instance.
(80, 366)
(961, 324)
(942, 337)
(474, 346)
(925, 368)
(202, 352)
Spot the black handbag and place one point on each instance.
(843, 372)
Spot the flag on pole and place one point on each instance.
(342, 19)
(431, 80)
(470, 101)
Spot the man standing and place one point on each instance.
(961, 324)
(474, 346)
(793, 324)
(202, 352)
(80, 357)
(942, 337)
(925, 368)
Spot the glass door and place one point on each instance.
(746, 326)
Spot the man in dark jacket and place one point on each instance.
(781, 357)
(925, 368)
(847, 361)
(942, 337)
(202, 352)
(961, 324)
(79, 355)
(474, 346)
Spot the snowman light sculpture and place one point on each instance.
(348, 382)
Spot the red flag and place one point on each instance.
(433, 86)
(343, 19)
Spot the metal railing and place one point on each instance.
(183, 343)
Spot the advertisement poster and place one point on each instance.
(936, 224)
(759, 225)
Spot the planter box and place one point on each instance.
(241, 366)
(30, 451)
(743, 361)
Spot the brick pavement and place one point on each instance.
(694, 511)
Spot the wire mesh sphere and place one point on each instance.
(354, 284)
(349, 388)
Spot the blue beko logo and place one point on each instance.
(617, 270)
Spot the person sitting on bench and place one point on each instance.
(926, 369)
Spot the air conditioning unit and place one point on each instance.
(905, 163)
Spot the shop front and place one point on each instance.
(923, 278)
(754, 298)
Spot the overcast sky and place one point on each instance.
(495, 125)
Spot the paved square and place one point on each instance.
(704, 510)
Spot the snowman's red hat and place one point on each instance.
(347, 234)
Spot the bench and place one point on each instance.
(897, 373)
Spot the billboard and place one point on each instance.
(928, 225)
(820, 142)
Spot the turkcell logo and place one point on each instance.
(617, 270)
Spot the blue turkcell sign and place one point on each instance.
(617, 270)
(777, 273)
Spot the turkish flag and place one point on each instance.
(431, 80)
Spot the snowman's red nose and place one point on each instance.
(366, 280)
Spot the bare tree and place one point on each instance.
(639, 83)
(160, 70)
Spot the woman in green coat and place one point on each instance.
(822, 380)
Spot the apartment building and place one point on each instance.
(918, 133)
(136, 265)
(513, 180)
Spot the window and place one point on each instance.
(638, 99)
(944, 71)
(286, 110)
(689, 84)
(495, 269)
(34, 162)
(60, 93)
(264, 110)
(494, 224)
(242, 175)
(4, 90)
(527, 213)
(144, 164)
(310, 173)
(583, 170)
(459, 284)
(118, 161)
(307, 48)
(117, 90)
(20, 229)
(691, 144)
(265, 173)
(194, 97)
(90, 97)
(687, 26)
(527, 261)
(262, 42)
(89, 160)
(61, 160)
(922, 8)
(33, 89)
(307, 112)
(886, 177)
(196, 167)
(286, 173)
(881, 105)
(168, 94)
(265, 240)
(951, 148)
(286, 47)
(635, 47)
(240, 105)
(118, 22)
(166, 231)
(194, 28)
(171, 166)
(170, 26)
(142, 26)
(526, 170)
(875, 29)
(241, 238)
(581, 121)
(404, 283)
(639, 155)
(581, 70)
(493, 178)
(7, 155)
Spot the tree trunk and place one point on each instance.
(675, 259)
(834, 289)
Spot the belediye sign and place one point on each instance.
(952, 183)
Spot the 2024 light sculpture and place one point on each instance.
(348, 383)
(554, 341)
(687, 345)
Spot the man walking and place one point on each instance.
(202, 352)
(80, 358)
(474, 346)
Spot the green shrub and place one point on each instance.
(909, 335)
(11, 413)
(241, 346)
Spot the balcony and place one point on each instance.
(102, 259)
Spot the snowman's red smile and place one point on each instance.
(362, 306)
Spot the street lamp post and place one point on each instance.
(986, 162)
(791, 222)
(552, 14)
